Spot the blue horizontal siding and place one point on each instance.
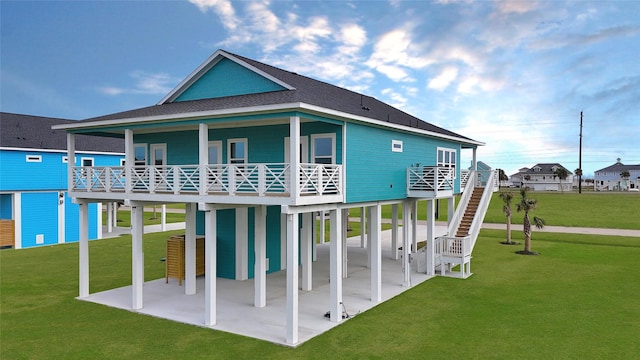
(16, 174)
(227, 78)
(374, 172)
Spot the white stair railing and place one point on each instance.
(462, 203)
(476, 224)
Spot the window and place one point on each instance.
(87, 161)
(447, 159)
(140, 154)
(215, 152)
(34, 158)
(122, 162)
(396, 145)
(237, 151)
(322, 148)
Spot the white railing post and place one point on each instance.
(129, 159)
(177, 184)
(231, 178)
(262, 179)
(71, 160)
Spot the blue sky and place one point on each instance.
(513, 74)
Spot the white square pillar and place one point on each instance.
(406, 239)
(260, 248)
(137, 255)
(190, 249)
(394, 231)
(431, 239)
(242, 243)
(376, 253)
(292, 278)
(335, 266)
(210, 264)
(84, 249)
(306, 251)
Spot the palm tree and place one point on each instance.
(506, 197)
(562, 174)
(625, 176)
(526, 205)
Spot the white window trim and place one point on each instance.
(152, 148)
(218, 144)
(448, 164)
(87, 158)
(146, 153)
(33, 158)
(396, 146)
(122, 161)
(246, 149)
(333, 146)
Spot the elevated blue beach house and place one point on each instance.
(257, 153)
(35, 207)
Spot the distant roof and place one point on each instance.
(34, 132)
(618, 167)
(545, 169)
(300, 89)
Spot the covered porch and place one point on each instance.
(237, 313)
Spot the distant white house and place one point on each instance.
(517, 179)
(543, 177)
(610, 178)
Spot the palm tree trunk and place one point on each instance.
(527, 233)
(509, 229)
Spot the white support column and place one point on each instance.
(163, 218)
(394, 231)
(98, 219)
(414, 226)
(242, 243)
(129, 158)
(260, 248)
(376, 254)
(283, 241)
(363, 227)
(305, 252)
(210, 264)
(314, 237)
(115, 214)
(294, 156)
(110, 217)
(292, 278)
(84, 249)
(137, 256)
(71, 159)
(475, 159)
(322, 223)
(190, 249)
(451, 209)
(203, 156)
(62, 223)
(431, 239)
(369, 231)
(335, 266)
(406, 225)
(343, 237)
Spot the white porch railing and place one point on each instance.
(218, 179)
(450, 246)
(464, 177)
(430, 178)
(462, 203)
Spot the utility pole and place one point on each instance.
(580, 159)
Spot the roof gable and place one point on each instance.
(222, 75)
(227, 78)
(546, 169)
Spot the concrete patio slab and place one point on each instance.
(237, 314)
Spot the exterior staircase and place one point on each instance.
(470, 212)
(455, 248)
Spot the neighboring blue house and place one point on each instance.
(255, 152)
(35, 208)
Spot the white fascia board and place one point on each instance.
(183, 116)
(208, 64)
(351, 117)
(60, 151)
(259, 109)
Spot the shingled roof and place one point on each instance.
(303, 90)
(619, 167)
(34, 132)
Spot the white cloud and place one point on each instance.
(519, 7)
(145, 83)
(442, 81)
(221, 7)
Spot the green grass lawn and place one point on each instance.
(578, 300)
(593, 209)
(124, 218)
